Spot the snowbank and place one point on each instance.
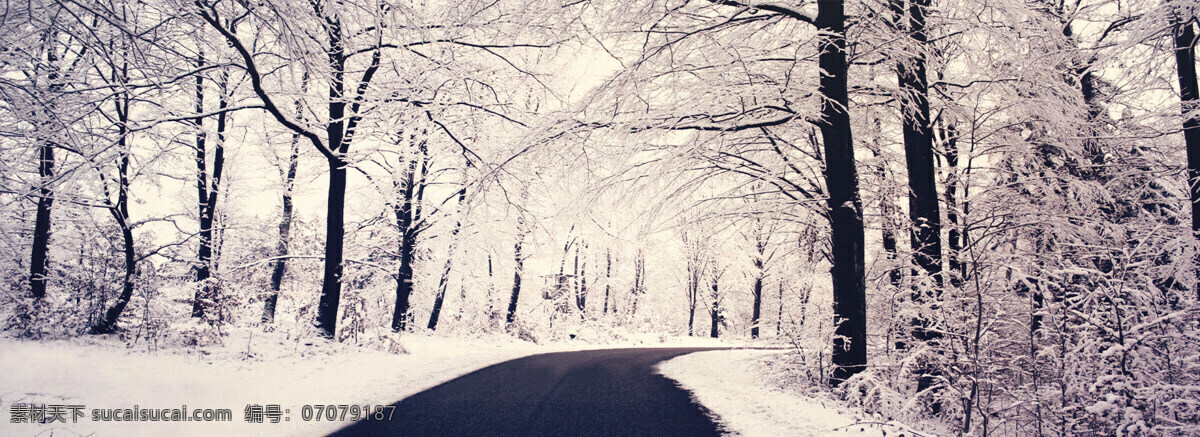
(260, 369)
(732, 387)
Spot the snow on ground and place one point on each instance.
(101, 374)
(732, 386)
(249, 368)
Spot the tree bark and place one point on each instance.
(923, 209)
(441, 296)
(581, 297)
(120, 213)
(607, 276)
(756, 317)
(757, 291)
(407, 217)
(954, 237)
(845, 207)
(693, 291)
(335, 220)
(1189, 95)
(41, 228)
(520, 267)
(285, 221)
(779, 320)
(42, 222)
(639, 281)
(918, 146)
(887, 212)
(208, 192)
(715, 309)
(331, 279)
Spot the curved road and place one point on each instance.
(613, 392)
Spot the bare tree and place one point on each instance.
(345, 112)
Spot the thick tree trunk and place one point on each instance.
(41, 228)
(335, 224)
(1189, 95)
(331, 280)
(918, 146)
(922, 183)
(845, 207)
(404, 224)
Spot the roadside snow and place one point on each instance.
(104, 374)
(249, 367)
(732, 387)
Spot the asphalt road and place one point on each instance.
(612, 392)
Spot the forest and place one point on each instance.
(975, 215)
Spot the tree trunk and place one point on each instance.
(441, 296)
(1189, 95)
(918, 145)
(285, 222)
(331, 281)
(520, 267)
(757, 313)
(845, 207)
(887, 212)
(208, 192)
(491, 287)
(691, 321)
(922, 183)
(693, 292)
(575, 279)
(639, 280)
(607, 276)
(285, 236)
(581, 298)
(715, 309)
(405, 225)
(120, 213)
(779, 320)
(41, 228)
(954, 237)
(335, 224)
